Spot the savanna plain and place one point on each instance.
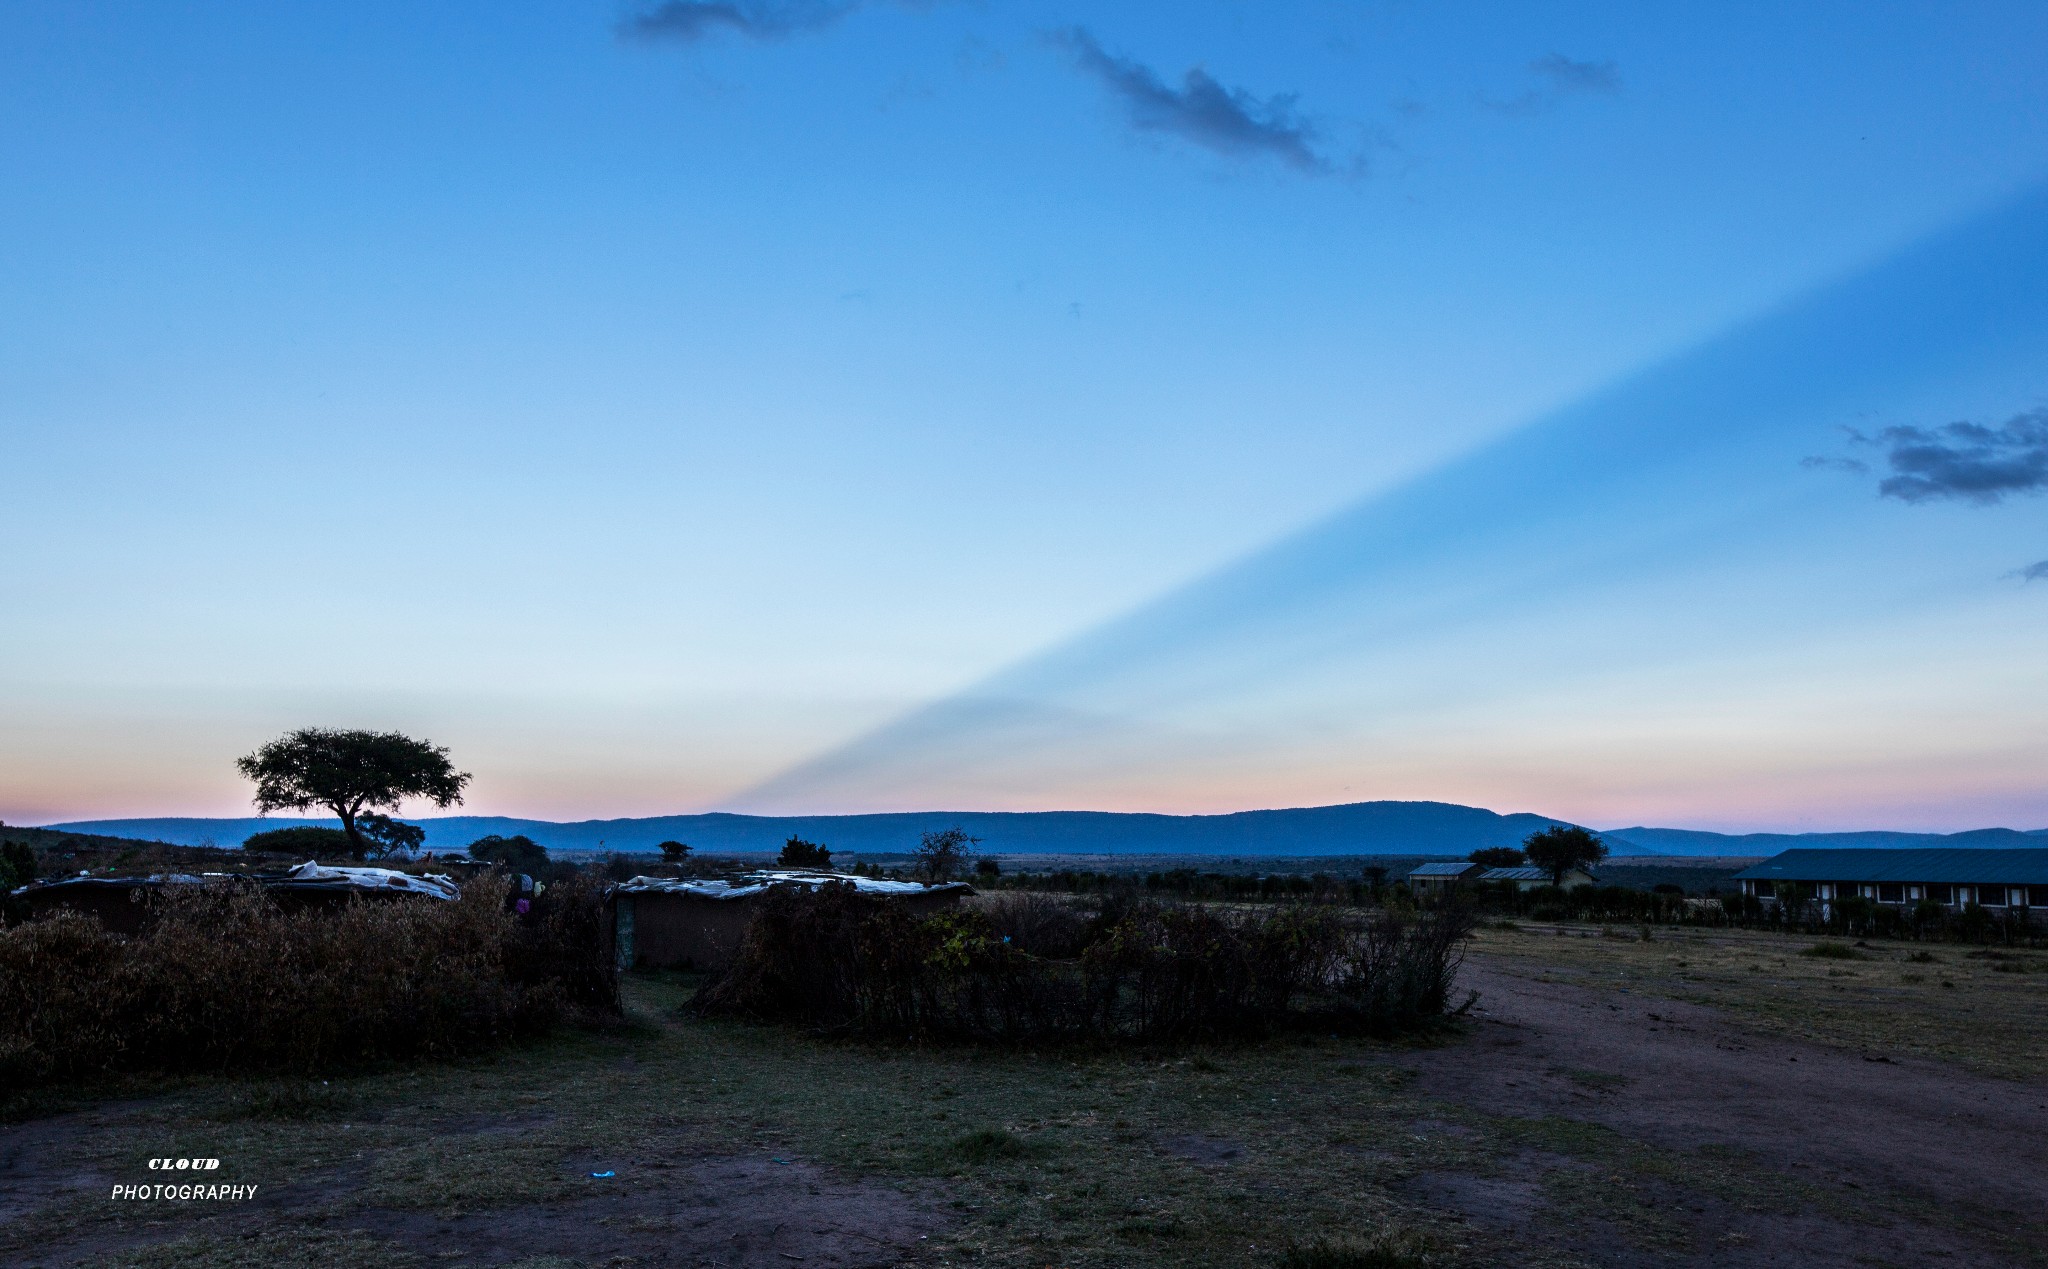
(1613, 1097)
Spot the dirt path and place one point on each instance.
(1926, 1146)
(687, 1210)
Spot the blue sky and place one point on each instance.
(658, 403)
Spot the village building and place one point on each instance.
(697, 923)
(2007, 879)
(1532, 878)
(1436, 878)
(122, 903)
(1443, 876)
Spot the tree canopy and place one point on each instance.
(1563, 847)
(349, 772)
(387, 836)
(1498, 857)
(518, 853)
(798, 853)
(673, 852)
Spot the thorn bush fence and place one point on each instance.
(1028, 969)
(223, 979)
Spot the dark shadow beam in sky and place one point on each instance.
(1668, 461)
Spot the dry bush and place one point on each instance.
(837, 960)
(224, 979)
(1038, 923)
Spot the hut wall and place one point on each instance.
(121, 909)
(680, 931)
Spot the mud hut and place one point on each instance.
(123, 904)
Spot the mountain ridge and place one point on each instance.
(1356, 828)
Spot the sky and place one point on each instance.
(1625, 413)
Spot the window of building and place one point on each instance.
(1942, 894)
(1891, 892)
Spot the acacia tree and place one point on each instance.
(941, 856)
(1498, 857)
(387, 836)
(350, 772)
(519, 853)
(1562, 847)
(798, 853)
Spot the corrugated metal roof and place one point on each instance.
(1521, 874)
(1458, 869)
(2018, 866)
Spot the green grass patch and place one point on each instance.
(987, 1145)
(1833, 952)
(1385, 1250)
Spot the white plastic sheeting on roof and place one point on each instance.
(754, 883)
(85, 878)
(309, 873)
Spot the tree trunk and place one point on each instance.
(358, 849)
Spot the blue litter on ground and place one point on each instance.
(783, 1161)
(602, 1175)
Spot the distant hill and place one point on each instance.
(1363, 828)
(1359, 828)
(1682, 841)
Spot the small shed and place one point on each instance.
(695, 923)
(1531, 878)
(1442, 876)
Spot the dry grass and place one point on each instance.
(1954, 1003)
(1306, 1151)
(222, 978)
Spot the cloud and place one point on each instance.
(2035, 572)
(688, 21)
(1967, 461)
(1226, 120)
(1561, 77)
(1568, 76)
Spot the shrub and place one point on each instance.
(1038, 924)
(1833, 952)
(1027, 969)
(618, 866)
(1389, 1249)
(986, 1145)
(565, 945)
(224, 979)
(305, 842)
(17, 865)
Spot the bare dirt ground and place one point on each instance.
(740, 1211)
(1903, 1158)
(1703, 1099)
